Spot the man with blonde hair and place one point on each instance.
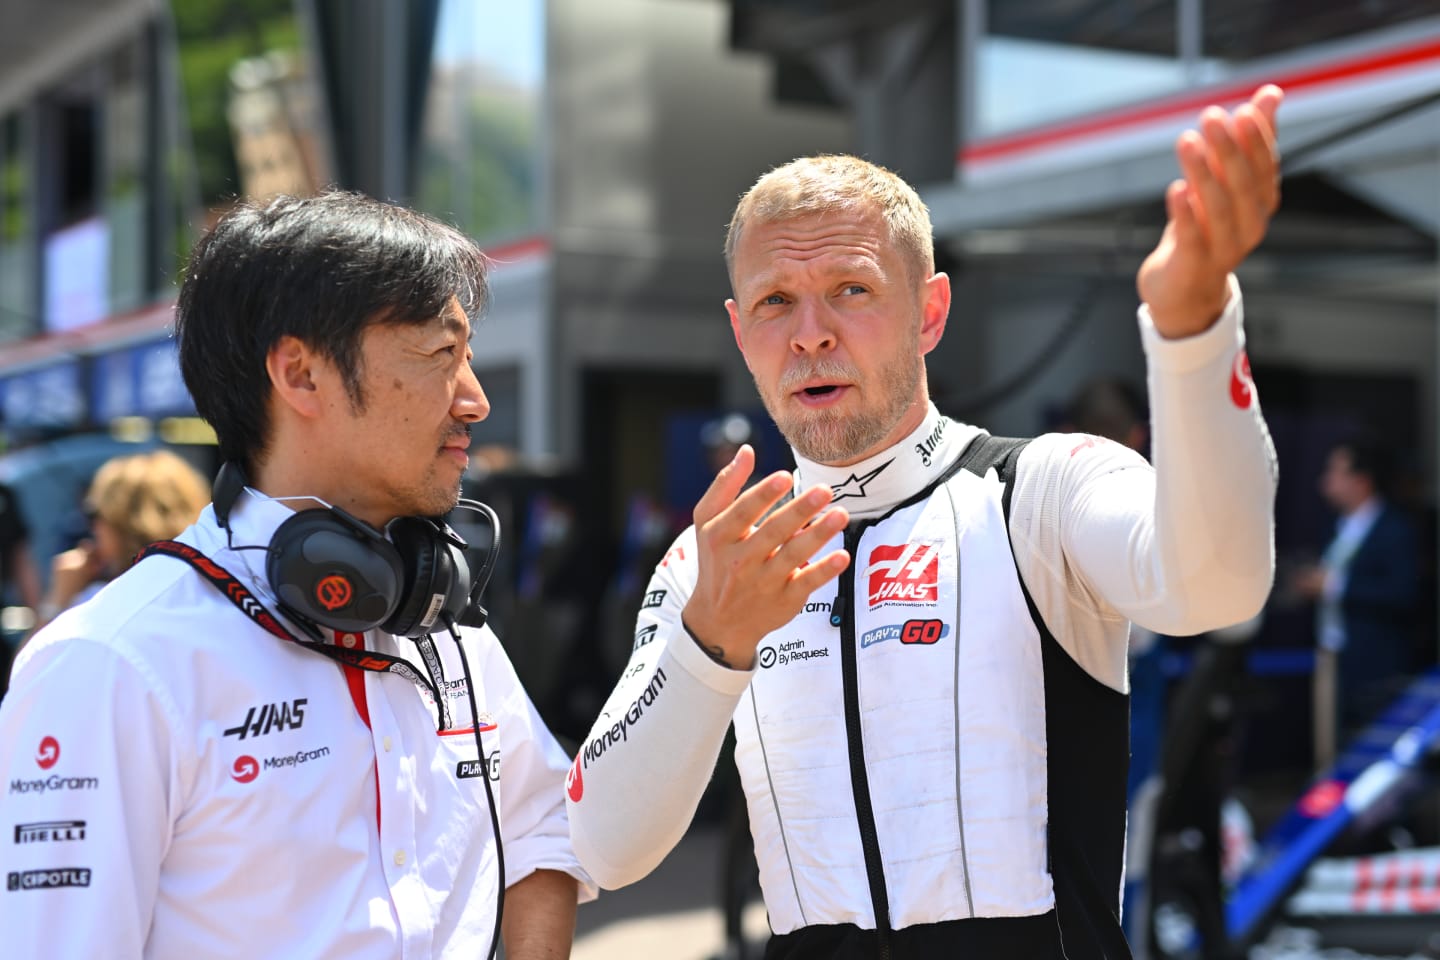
(920, 635)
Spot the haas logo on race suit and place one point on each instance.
(907, 574)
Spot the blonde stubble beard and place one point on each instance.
(831, 437)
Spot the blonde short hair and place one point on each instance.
(830, 182)
(147, 497)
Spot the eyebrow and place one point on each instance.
(452, 323)
(859, 268)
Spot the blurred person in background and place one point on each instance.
(934, 747)
(19, 578)
(250, 743)
(1366, 590)
(132, 502)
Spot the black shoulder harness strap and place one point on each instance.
(985, 452)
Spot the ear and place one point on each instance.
(934, 311)
(732, 308)
(293, 376)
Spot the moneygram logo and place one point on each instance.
(575, 782)
(48, 754)
(245, 769)
(53, 783)
(908, 574)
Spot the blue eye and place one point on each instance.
(773, 300)
(855, 288)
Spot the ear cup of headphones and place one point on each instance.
(339, 574)
(436, 578)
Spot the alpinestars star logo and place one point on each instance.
(907, 574)
(854, 486)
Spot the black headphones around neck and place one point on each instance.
(332, 569)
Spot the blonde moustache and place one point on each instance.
(830, 370)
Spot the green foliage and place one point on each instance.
(213, 35)
(491, 192)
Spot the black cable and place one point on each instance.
(474, 615)
(485, 776)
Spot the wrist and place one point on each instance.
(1191, 316)
(714, 651)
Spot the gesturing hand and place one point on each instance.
(1217, 214)
(755, 575)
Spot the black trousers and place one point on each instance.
(987, 938)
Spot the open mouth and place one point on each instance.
(820, 391)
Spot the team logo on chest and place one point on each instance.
(908, 574)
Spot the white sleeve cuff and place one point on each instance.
(695, 661)
(1191, 353)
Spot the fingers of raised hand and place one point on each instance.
(726, 486)
(785, 522)
(802, 545)
(1231, 182)
(1257, 141)
(811, 577)
(735, 522)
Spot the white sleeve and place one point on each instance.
(642, 769)
(533, 828)
(1102, 538)
(86, 746)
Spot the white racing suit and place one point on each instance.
(934, 750)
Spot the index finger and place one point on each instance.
(1267, 100)
(726, 486)
(736, 520)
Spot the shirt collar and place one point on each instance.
(880, 482)
(253, 522)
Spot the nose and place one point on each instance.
(813, 330)
(470, 405)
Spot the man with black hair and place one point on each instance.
(1366, 588)
(262, 750)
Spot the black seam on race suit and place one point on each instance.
(775, 800)
(959, 795)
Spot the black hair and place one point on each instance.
(321, 269)
(1369, 457)
(1108, 407)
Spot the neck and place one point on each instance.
(876, 483)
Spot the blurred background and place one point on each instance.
(596, 151)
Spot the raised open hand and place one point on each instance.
(756, 571)
(1217, 214)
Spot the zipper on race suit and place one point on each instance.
(842, 615)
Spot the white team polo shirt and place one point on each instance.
(180, 783)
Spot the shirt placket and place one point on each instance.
(395, 773)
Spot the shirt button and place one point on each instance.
(399, 858)
(348, 640)
(386, 744)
